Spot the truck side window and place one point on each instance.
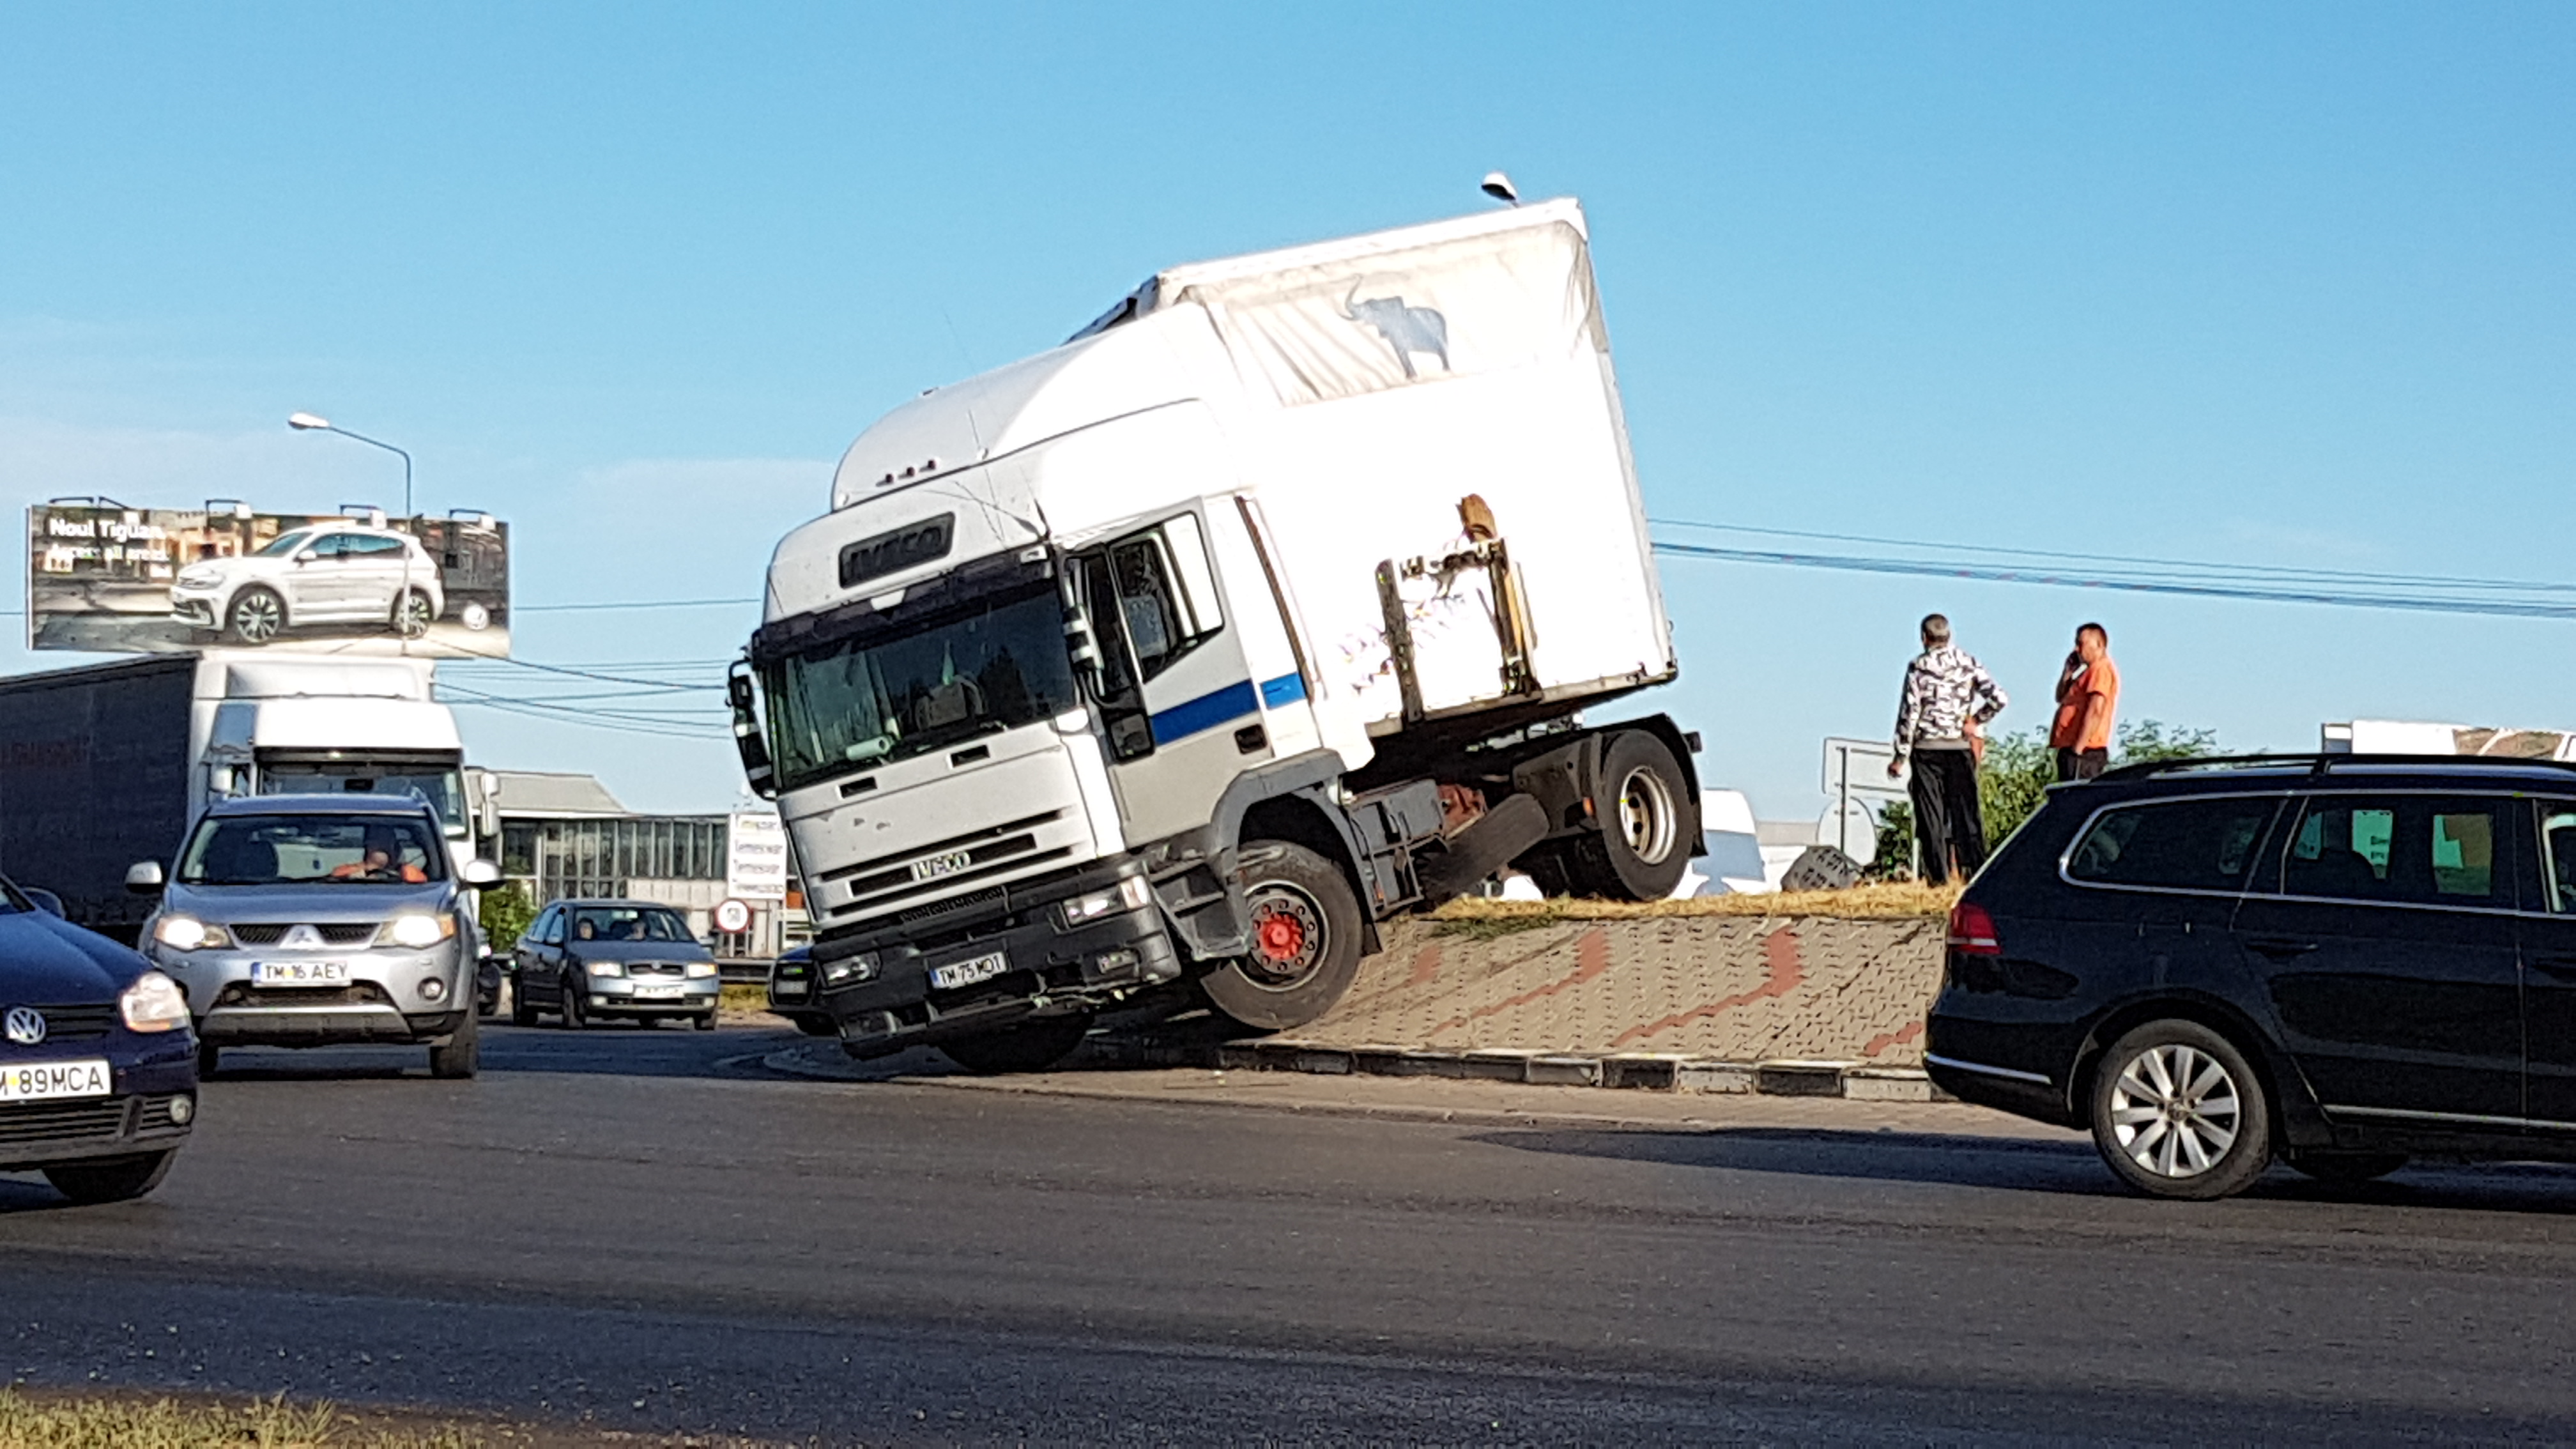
(1166, 592)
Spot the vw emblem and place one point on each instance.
(26, 1025)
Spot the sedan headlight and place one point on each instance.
(154, 1003)
(603, 968)
(187, 933)
(1129, 894)
(419, 929)
(699, 970)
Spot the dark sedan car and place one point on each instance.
(98, 1070)
(594, 959)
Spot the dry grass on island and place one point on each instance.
(1890, 901)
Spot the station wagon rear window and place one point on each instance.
(2186, 844)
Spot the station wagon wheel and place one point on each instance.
(2178, 1112)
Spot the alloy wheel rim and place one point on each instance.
(256, 618)
(411, 617)
(1289, 934)
(2176, 1111)
(1646, 816)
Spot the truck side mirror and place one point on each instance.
(747, 741)
(481, 873)
(144, 878)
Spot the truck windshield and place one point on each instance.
(442, 786)
(251, 850)
(986, 666)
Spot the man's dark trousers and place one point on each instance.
(1947, 817)
(2081, 764)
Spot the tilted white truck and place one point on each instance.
(108, 764)
(1258, 612)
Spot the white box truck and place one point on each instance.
(109, 764)
(1258, 612)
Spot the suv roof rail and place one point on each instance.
(2323, 764)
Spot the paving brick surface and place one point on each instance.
(1737, 989)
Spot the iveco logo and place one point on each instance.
(26, 1025)
(938, 865)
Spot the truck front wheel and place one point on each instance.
(1305, 928)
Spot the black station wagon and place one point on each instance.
(2338, 960)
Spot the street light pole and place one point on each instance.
(308, 423)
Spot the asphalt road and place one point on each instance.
(642, 1230)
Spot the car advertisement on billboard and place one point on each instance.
(160, 580)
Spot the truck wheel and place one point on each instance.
(1649, 822)
(1031, 1046)
(412, 614)
(257, 616)
(114, 1180)
(1305, 940)
(462, 1054)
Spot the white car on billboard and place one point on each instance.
(332, 573)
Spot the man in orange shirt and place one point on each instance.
(2088, 694)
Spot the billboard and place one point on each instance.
(756, 856)
(160, 580)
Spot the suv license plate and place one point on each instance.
(299, 973)
(967, 973)
(37, 1081)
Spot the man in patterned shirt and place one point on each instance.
(1948, 697)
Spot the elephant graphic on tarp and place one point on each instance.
(1408, 330)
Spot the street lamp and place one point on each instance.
(308, 423)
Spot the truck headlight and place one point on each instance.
(418, 929)
(603, 968)
(699, 970)
(153, 1003)
(850, 970)
(1129, 894)
(187, 933)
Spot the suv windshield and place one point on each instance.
(986, 666)
(629, 923)
(284, 544)
(248, 850)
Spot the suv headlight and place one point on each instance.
(699, 970)
(153, 1003)
(419, 929)
(187, 933)
(1129, 894)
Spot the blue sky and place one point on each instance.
(2289, 284)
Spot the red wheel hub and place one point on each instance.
(1282, 937)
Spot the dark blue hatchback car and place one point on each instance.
(98, 1070)
(2333, 961)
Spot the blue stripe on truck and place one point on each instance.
(1286, 690)
(1206, 712)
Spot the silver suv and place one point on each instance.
(320, 920)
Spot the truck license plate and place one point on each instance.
(37, 1081)
(299, 973)
(967, 973)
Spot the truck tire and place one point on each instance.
(256, 616)
(1305, 924)
(1031, 1046)
(463, 1053)
(1649, 822)
(114, 1180)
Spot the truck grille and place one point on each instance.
(885, 883)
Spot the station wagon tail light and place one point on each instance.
(1972, 931)
(153, 1003)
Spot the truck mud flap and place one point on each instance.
(1512, 826)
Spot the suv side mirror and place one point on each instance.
(481, 873)
(144, 878)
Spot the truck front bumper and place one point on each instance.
(1026, 960)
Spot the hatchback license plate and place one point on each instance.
(299, 973)
(967, 973)
(40, 1081)
(658, 993)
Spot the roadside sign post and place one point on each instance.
(1857, 770)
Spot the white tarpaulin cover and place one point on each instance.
(1327, 322)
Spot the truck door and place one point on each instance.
(1182, 710)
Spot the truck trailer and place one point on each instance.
(107, 765)
(1261, 610)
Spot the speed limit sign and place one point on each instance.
(733, 917)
